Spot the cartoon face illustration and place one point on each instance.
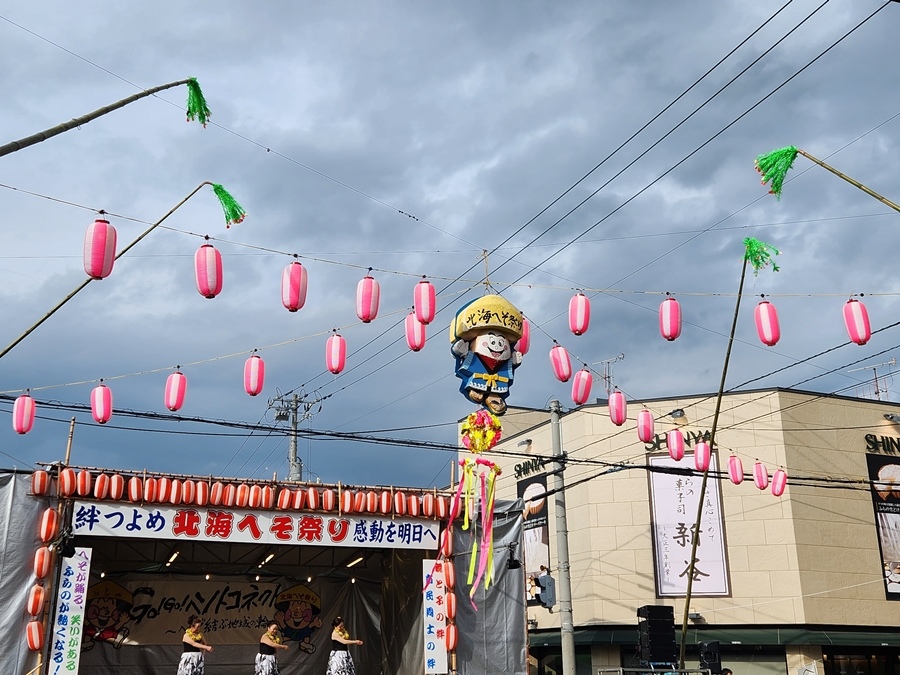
(491, 345)
(298, 615)
(106, 613)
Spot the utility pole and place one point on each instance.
(290, 410)
(564, 589)
(296, 467)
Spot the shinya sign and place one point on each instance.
(691, 438)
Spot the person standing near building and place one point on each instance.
(339, 661)
(194, 647)
(271, 640)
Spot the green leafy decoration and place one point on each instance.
(234, 212)
(759, 254)
(196, 103)
(773, 167)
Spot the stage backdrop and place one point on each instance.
(134, 625)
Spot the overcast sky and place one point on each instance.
(408, 137)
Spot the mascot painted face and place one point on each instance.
(481, 340)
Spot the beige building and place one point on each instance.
(799, 584)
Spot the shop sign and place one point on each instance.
(675, 499)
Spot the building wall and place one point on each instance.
(808, 557)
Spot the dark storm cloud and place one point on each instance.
(471, 118)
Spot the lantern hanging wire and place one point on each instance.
(196, 110)
(125, 250)
(773, 167)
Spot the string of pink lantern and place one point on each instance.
(99, 255)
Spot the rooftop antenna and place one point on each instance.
(878, 388)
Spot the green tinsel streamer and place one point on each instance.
(759, 254)
(773, 167)
(196, 103)
(234, 212)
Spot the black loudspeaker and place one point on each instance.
(656, 631)
(710, 657)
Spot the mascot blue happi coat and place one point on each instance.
(482, 337)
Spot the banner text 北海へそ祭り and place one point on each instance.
(223, 524)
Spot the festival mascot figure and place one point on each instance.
(482, 338)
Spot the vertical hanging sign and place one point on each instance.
(435, 614)
(66, 631)
(675, 499)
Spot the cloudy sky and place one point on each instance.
(409, 137)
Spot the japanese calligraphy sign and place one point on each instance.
(884, 472)
(222, 524)
(674, 502)
(67, 628)
(433, 607)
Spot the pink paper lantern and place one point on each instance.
(424, 302)
(368, 294)
(562, 365)
(735, 469)
(701, 456)
(524, 342)
(645, 426)
(670, 319)
(176, 388)
(856, 318)
(581, 386)
(415, 332)
(335, 353)
(675, 443)
(101, 403)
(779, 482)
(579, 313)
(294, 281)
(760, 475)
(254, 375)
(767, 323)
(618, 408)
(99, 249)
(23, 414)
(208, 271)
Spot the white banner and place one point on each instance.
(675, 499)
(434, 608)
(223, 524)
(67, 628)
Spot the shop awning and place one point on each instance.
(737, 635)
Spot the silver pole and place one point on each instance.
(564, 590)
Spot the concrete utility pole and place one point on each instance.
(564, 587)
(296, 467)
(288, 409)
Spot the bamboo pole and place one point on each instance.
(84, 119)
(695, 538)
(855, 183)
(84, 283)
